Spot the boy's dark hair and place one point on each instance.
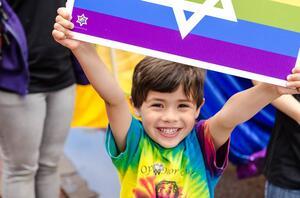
(152, 74)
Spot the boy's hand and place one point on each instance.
(62, 30)
(294, 79)
(293, 84)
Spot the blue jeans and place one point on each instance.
(272, 191)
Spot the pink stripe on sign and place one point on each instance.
(193, 46)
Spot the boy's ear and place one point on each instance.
(136, 110)
(131, 102)
(199, 108)
(203, 101)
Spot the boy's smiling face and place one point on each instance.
(168, 117)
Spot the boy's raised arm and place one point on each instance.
(244, 105)
(106, 86)
(288, 105)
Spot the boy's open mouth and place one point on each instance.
(168, 132)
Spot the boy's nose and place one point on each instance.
(170, 115)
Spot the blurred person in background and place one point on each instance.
(36, 102)
(282, 165)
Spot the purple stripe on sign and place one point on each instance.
(194, 47)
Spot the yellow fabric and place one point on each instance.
(89, 107)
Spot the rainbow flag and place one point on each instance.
(257, 39)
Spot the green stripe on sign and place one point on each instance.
(266, 12)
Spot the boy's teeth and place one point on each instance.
(168, 131)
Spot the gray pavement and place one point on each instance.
(86, 149)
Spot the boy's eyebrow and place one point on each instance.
(162, 100)
(156, 99)
(184, 100)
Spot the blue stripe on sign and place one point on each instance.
(243, 33)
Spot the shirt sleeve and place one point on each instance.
(216, 161)
(121, 159)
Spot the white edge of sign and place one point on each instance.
(70, 5)
(298, 59)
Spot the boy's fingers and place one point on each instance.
(294, 77)
(60, 28)
(61, 38)
(58, 35)
(64, 13)
(296, 70)
(293, 85)
(65, 23)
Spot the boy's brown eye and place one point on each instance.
(157, 105)
(183, 106)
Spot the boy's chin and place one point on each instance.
(168, 145)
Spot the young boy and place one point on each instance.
(167, 154)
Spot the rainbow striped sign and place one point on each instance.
(256, 39)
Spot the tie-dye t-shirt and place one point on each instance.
(147, 170)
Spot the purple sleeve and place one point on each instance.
(216, 161)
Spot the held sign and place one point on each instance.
(257, 39)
